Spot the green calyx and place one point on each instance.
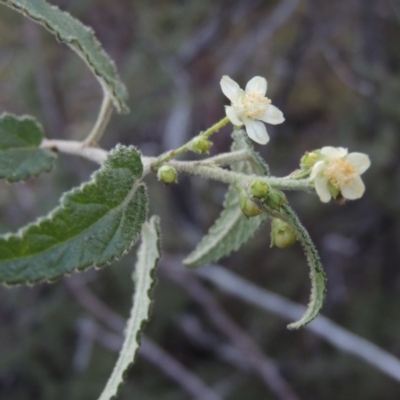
(282, 234)
(275, 200)
(333, 190)
(309, 159)
(249, 208)
(200, 145)
(167, 174)
(259, 189)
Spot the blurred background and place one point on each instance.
(334, 70)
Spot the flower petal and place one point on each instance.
(256, 131)
(333, 152)
(359, 161)
(321, 187)
(317, 168)
(273, 115)
(230, 88)
(233, 117)
(354, 189)
(257, 84)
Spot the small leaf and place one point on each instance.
(80, 38)
(144, 277)
(20, 152)
(94, 224)
(257, 165)
(260, 167)
(232, 229)
(317, 274)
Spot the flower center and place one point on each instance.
(253, 105)
(339, 173)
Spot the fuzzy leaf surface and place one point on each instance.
(144, 278)
(317, 274)
(232, 229)
(94, 224)
(20, 152)
(80, 38)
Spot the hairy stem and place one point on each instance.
(76, 148)
(236, 178)
(227, 158)
(101, 123)
(183, 149)
(207, 168)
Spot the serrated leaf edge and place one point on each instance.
(144, 271)
(317, 274)
(109, 85)
(137, 185)
(25, 118)
(195, 258)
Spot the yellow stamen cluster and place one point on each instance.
(255, 104)
(339, 173)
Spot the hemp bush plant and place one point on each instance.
(99, 221)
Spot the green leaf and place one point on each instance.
(20, 152)
(144, 277)
(317, 274)
(260, 167)
(94, 224)
(232, 229)
(80, 38)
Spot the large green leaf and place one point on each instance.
(144, 277)
(94, 224)
(80, 38)
(232, 229)
(20, 152)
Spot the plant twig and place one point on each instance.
(321, 326)
(227, 158)
(263, 366)
(343, 71)
(176, 371)
(148, 350)
(183, 149)
(265, 30)
(237, 178)
(76, 148)
(102, 120)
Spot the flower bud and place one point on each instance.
(200, 145)
(259, 189)
(282, 234)
(275, 200)
(167, 174)
(309, 159)
(248, 206)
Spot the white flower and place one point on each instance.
(250, 107)
(339, 172)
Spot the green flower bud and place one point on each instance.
(275, 200)
(259, 189)
(282, 234)
(167, 174)
(248, 206)
(309, 159)
(200, 145)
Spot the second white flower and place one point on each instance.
(339, 173)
